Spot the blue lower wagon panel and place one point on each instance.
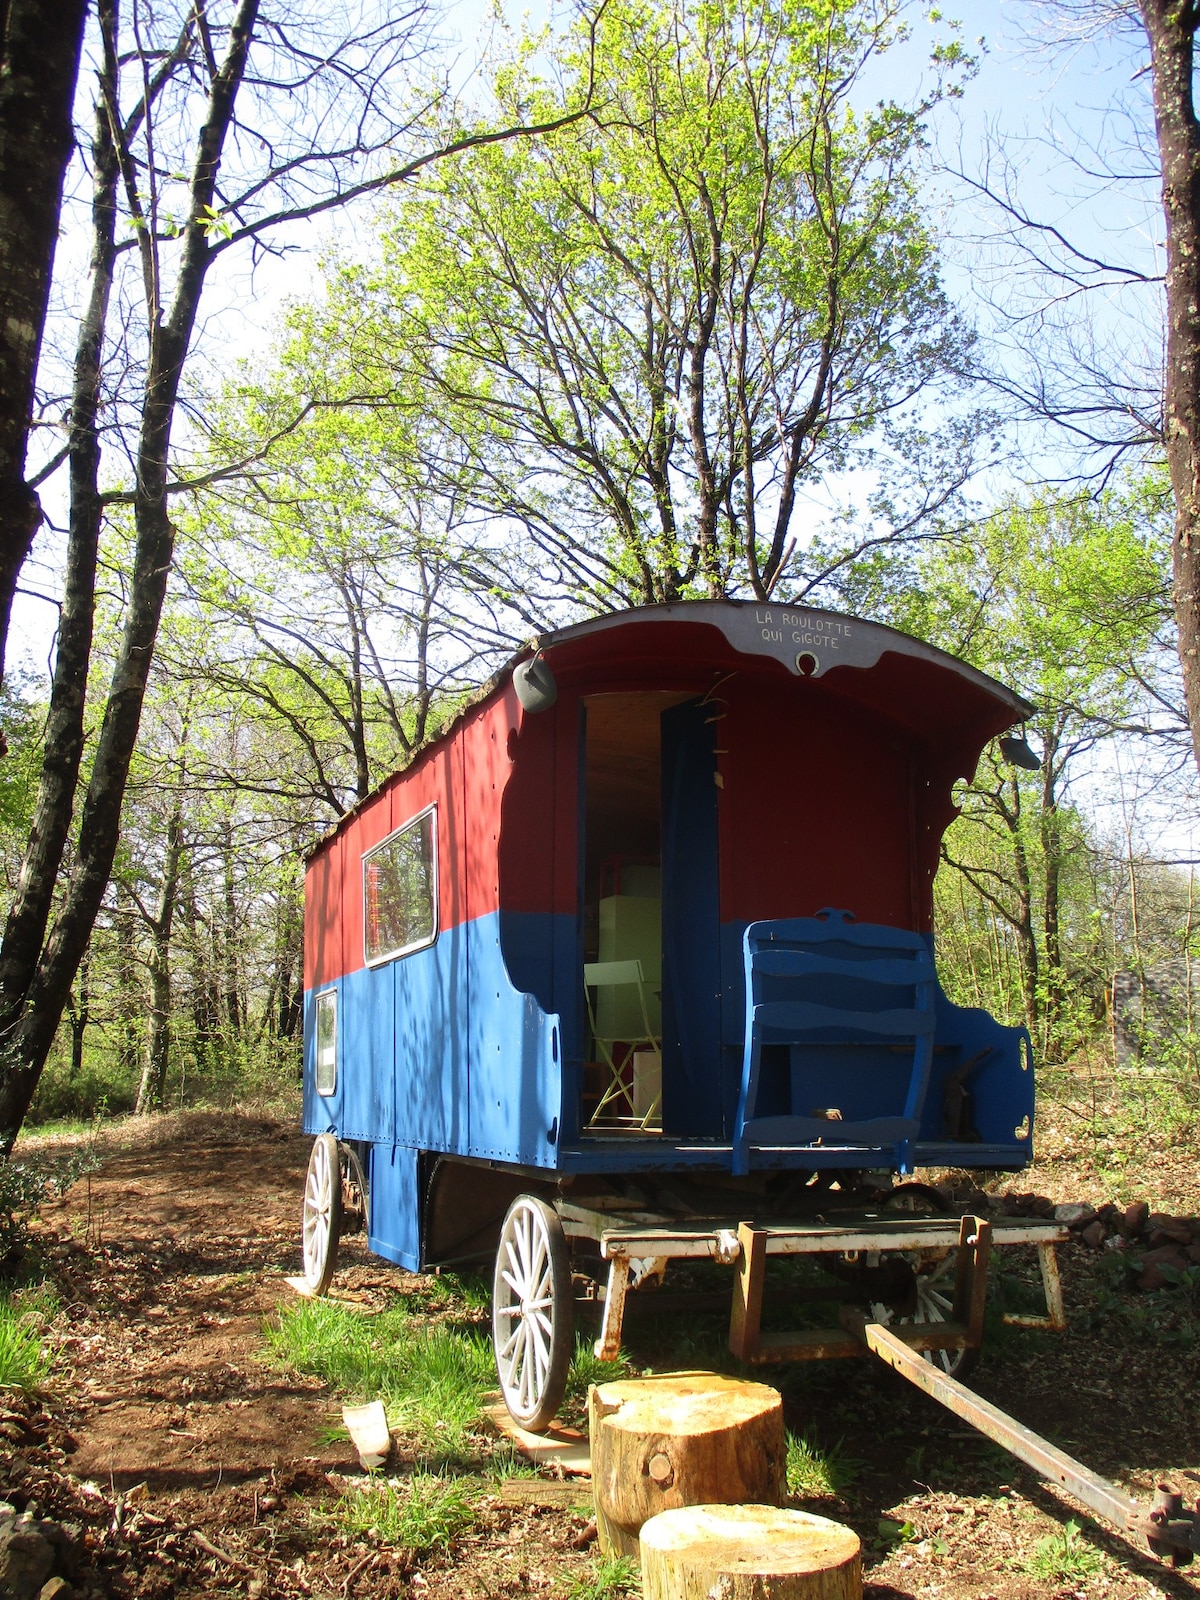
(395, 1231)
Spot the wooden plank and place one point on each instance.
(745, 1317)
(563, 1449)
(970, 1277)
(1047, 1460)
(895, 972)
(549, 1492)
(608, 1345)
(802, 1016)
(705, 1240)
(808, 1344)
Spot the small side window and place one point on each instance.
(326, 1057)
(400, 911)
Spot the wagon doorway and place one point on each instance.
(650, 926)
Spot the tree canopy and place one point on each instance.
(650, 334)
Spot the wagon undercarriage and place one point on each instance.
(932, 1271)
(908, 1289)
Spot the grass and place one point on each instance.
(1064, 1557)
(610, 1576)
(817, 1474)
(422, 1513)
(508, 1462)
(25, 1357)
(586, 1369)
(432, 1380)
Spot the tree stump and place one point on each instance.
(748, 1553)
(680, 1440)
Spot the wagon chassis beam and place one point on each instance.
(1166, 1527)
(637, 1245)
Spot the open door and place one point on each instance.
(693, 1096)
(622, 903)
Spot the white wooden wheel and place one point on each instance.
(532, 1313)
(935, 1303)
(935, 1276)
(322, 1221)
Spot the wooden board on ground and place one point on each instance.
(566, 1449)
(681, 1439)
(569, 1492)
(746, 1552)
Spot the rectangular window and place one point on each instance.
(400, 890)
(326, 1055)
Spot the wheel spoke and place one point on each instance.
(538, 1342)
(526, 1370)
(512, 1284)
(507, 1347)
(530, 1301)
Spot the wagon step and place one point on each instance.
(1168, 1529)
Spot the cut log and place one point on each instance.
(748, 1553)
(683, 1439)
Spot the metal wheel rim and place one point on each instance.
(524, 1310)
(318, 1211)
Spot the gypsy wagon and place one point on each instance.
(634, 962)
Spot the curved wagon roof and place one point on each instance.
(915, 684)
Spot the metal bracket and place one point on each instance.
(608, 1345)
(1056, 1316)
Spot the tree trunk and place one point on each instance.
(1170, 27)
(1050, 822)
(234, 1010)
(39, 64)
(680, 1440)
(129, 992)
(747, 1552)
(29, 913)
(80, 1015)
(1022, 923)
(158, 1041)
(30, 1034)
(291, 967)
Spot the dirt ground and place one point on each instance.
(190, 1464)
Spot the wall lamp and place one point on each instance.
(534, 683)
(1015, 750)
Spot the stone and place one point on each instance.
(1164, 1229)
(1152, 1276)
(1135, 1216)
(25, 1559)
(1074, 1215)
(1093, 1234)
(1042, 1206)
